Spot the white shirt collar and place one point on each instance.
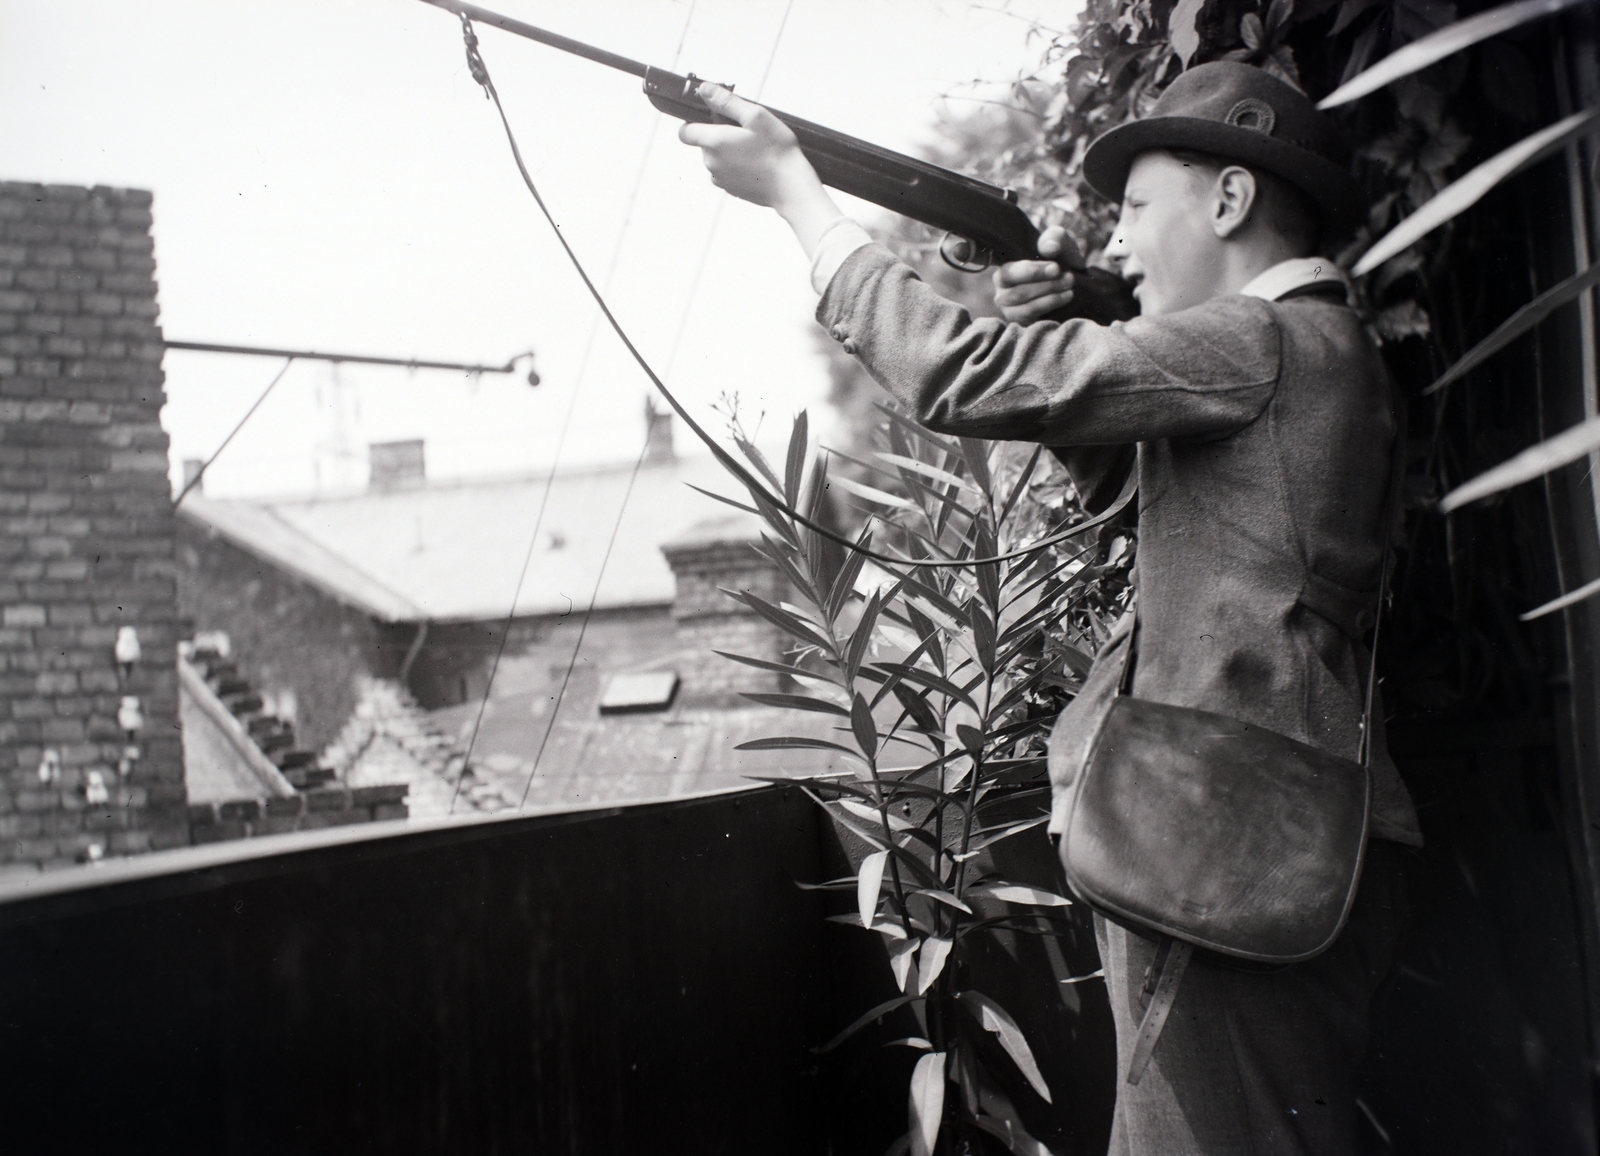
(1296, 273)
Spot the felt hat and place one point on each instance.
(1239, 113)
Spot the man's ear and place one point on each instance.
(1235, 198)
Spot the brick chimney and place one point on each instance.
(90, 751)
(396, 465)
(658, 449)
(712, 556)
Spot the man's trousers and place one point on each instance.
(1254, 1062)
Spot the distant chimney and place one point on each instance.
(658, 449)
(713, 556)
(396, 465)
(191, 471)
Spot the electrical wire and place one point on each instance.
(583, 628)
(672, 358)
(206, 465)
(758, 491)
(480, 73)
(566, 424)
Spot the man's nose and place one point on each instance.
(1117, 251)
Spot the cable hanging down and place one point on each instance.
(480, 73)
(544, 500)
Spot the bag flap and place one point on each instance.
(1225, 835)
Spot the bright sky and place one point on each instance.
(328, 176)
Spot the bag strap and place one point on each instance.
(1161, 981)
(1391, 503)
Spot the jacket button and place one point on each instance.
(849, 347)
(837, 333)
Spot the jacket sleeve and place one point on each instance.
(1205, 372)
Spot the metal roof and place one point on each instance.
(451, 551)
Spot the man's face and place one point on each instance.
(1165, 243)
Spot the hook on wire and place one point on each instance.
(475, 65)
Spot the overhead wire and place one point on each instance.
(672, 358)
(758, 491)
(206, 465)
(480, 73)
(566, 417)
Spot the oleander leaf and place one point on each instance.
(916, 1042)
(886, 926)
(843, 883)
(917, 466)
(864, 725)
(926, 1108)
(1519, 323)
(1452, 38)
(862, 1021)
(994, 836)
(975, 452)
(901, 953)
(1587, 590)
(725, 501)
(944, 897)
(792, 624)
(994, 1019)
(1181, 30)
(796, 702)
(1468, 190)
(869, 882)
(935, 950)
(856, 649)
(794, 466)
(1016, 893)
(1550, 454)
(871, 493)
(1011, 1133)
(927, 678)
(778, 667)
(871, 814)
(844, 583)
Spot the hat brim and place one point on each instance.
(1331, 188)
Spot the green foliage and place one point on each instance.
(942, 683)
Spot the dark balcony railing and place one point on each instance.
(648, 978)
(638, 979)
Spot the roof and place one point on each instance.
(452, 551)
(591, 757)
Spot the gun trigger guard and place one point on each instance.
(960, 253)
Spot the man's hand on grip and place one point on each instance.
(1026, 291)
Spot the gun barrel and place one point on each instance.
(566, 44)
(986, 215)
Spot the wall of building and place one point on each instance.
(85, 530)
(301, 650)
(453, 664)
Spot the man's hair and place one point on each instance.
(1279, 205)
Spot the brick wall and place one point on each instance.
(330, 806)
(287, 635)
(87, 533)
(713, 557)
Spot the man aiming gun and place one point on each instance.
(1262, 419)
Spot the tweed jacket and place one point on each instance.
(1263, 432)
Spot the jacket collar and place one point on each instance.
(1297, 276)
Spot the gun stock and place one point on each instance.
(986, 219)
